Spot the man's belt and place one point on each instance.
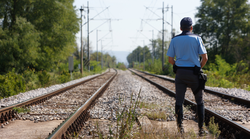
(188, 68)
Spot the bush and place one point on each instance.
(222, 74)
(11, 84)
(44, 78)
(77, 75)
(214, 128)
(121, 66)
(31, 79)
(96, 66)
(222, 67)
(64, 76)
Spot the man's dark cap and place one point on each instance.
(186, 22)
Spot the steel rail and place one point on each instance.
(235, 99)
(7, 113)
(76, 121)
(229, 129)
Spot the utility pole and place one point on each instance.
(135, 58)
(88, 34)
(102, 54)
(162, 37)
(143, 55)
(81, 68)
(96, 45)
(139, 57)
(153, 48)
(163, 8)
(172, 33)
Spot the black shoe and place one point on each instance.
(201, 116)
(202, 132)
(179, 118)
(181, 130)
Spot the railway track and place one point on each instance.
(215, 103)
(69, 104)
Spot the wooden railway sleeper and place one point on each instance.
(76, 126)
(70, 129)
(2, 118)
(63, 136)
(73, 130)
(77, 123)
(11, 115)
(81, 123)
(232, 132)
(6, 117)
(225, 127)
(238, 133)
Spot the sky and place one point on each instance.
(125, 24)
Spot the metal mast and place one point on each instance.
(88, 34)
(96, 45)
(143, 55)
(81, 68)
(162, 36)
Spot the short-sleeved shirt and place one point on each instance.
(186, 47)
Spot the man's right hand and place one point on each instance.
(203, 60)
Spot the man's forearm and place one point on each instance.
(203, 60)
(171, 60)
(202, 63)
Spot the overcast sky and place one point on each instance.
(132, 21)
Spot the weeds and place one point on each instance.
(21, 109)
(214, 128)
(148, 105)
(157, 115)
(126, 120)
(73, 136)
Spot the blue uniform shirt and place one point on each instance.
(186, 47)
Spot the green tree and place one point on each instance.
(221, 23)
(57, 20)
(56, 23)
(19, 47)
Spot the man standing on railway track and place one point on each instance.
(187, 47)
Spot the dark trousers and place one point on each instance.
(185, 78)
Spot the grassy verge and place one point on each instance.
(13, 83)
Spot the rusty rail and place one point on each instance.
(234, 99)
(7, 113)
(76, 121)
(229, 129)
